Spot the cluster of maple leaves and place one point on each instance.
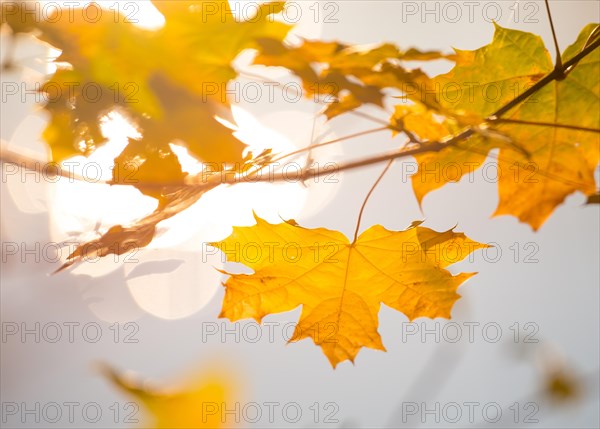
(342, 289)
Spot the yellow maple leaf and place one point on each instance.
(341, 285)
(347, 77)
(552, 144)
(420, 121)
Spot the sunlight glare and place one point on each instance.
(221, 208)
(141, 13)
(82, 210)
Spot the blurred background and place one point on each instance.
(522, 348)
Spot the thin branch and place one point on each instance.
(427, 147)
(43, 168)
(556, 74)
(351, 112)
(363, 115)
(293, 90)
(433, 146)
(313, 143)
(364, 204)
(546, 124)
(370, 117)
(513, 162)
(330, 142)
(558, 63)
(411, 136)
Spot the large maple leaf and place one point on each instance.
(552, 142)
(341, 285)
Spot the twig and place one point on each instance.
(330, 142)
(545, 124)
(364, 204)
(550, 77)
(433, 146)
(558, 63)
(44, 168)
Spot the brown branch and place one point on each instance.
(43, 168)
(433, 146)
(545, 124)
(556, 74)
(558, 63)
(330, 142)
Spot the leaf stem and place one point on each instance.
(409, 134)
(364, 204)
(330, 142)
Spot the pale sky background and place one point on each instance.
(172, 295)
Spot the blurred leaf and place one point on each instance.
(562, 387)
(169, 82)
(194, 406)
(347, 77)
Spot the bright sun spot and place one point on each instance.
(84, 210)
(172, 277)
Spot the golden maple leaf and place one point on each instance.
(552, 143)
(347, 77)
(341, 285)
